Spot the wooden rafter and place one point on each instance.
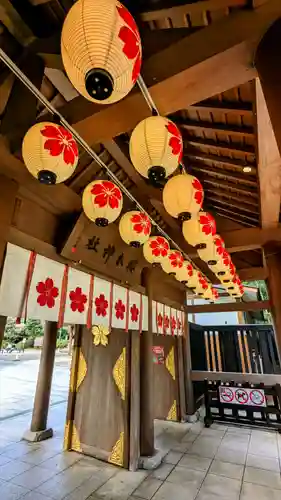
(238, 164)
(231, 188)
(244, 179)
(235, 108)
(223, 147)
(214, 127)
(244, 204)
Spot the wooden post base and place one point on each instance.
(35, 437)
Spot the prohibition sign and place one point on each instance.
(227, 395)
(241, 396)
(257, 397)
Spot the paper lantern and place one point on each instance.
(156, 249)
(223, 265)
(134, 228)
(183, 196)
(101, 50)
(193, 280)
(102, 202)
(199, 230)
(213, 251)
(156, 148)
(202, 285)
(173, 262)
(229, 273)
(49, 152)
(209, 294)
(185, 272)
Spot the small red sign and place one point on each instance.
(158, 355)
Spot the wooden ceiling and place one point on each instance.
(220, 140)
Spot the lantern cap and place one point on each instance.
(47, 177)
(184, 216)
(156, 174)
(101, 222)
(99, 84)
(135, 244)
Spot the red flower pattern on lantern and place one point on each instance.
(166, 322)
(60, 140)
(176, 259)
(226, 258)
(106, 193)
(132, 43)
(189, 268)
(141, 223)
(208, 224)
(47, 293)
(159, 246)
(173, 324)
(199, 193)
(119, 309)
(218, 241)
(203, 282)
(179, 324)
(175, 141)
(134, 313)
(159, 320)
(101, 305)
(215, 293)
(236, 280)
(77, 300)
(232, 268)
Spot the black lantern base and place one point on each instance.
(101, 222)
(99, 84)
(135, 244)
(47, 177)
(156, 175)
(184, 216)
(172, 274)
(201, 246)
(221, 273)
(212, 262)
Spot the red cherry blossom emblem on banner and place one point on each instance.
(47, 293)
(173, 324)
(166, 322)
(179, 324)
(208, 224)
(134, 313)
(60, 140)
(199, 193)
(176, 259)
(101, 305)
(119, 309)
(130, 36)
(141, 223)
(105, 193)
(175, 142)
(78, 300)
(159, 246)
(160, 320)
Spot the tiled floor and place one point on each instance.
(222, 462)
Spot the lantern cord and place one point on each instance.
(152, 106)
(26, 81)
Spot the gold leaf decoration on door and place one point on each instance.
(82, 370)
(117, 454)
(66, 436)
(75, 441)
(172, 415)
(119, 373)
(170, 363)
(72, 369)
(100, 334)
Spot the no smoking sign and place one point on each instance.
(241, 396)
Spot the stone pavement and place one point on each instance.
(226, 463)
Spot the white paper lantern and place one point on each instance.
(185, 272)
(202, 285)
(229, 274)
(156, 148)
(173, 262)
(222, 267)
(193, 280)
(102, 202)
(183, 196)
(155, 249)
(134, 228)
(199, 230)
(213, 251)
(49, 152)
(101, 50)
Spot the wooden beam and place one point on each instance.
(238, 217)
(14, 23)
(250, 238)
(203, 126)
(228, 306)
(177, 76)
(239, 205)
(235, 108)
(269, 124)
(253, 273)
(244, 179)
(251, 194)
(224, 147)
(225, 160)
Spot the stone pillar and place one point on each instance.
(273, 260)
(38, 429)
(146, 378)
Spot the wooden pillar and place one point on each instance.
(273, 260)
(3, 320)
(146, 377)
(181, 375)
(38, 428)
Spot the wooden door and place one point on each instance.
(165, 373)
(101, 409)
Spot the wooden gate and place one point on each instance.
(98, 410)
(166, 393)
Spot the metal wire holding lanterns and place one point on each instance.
(101, 50)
